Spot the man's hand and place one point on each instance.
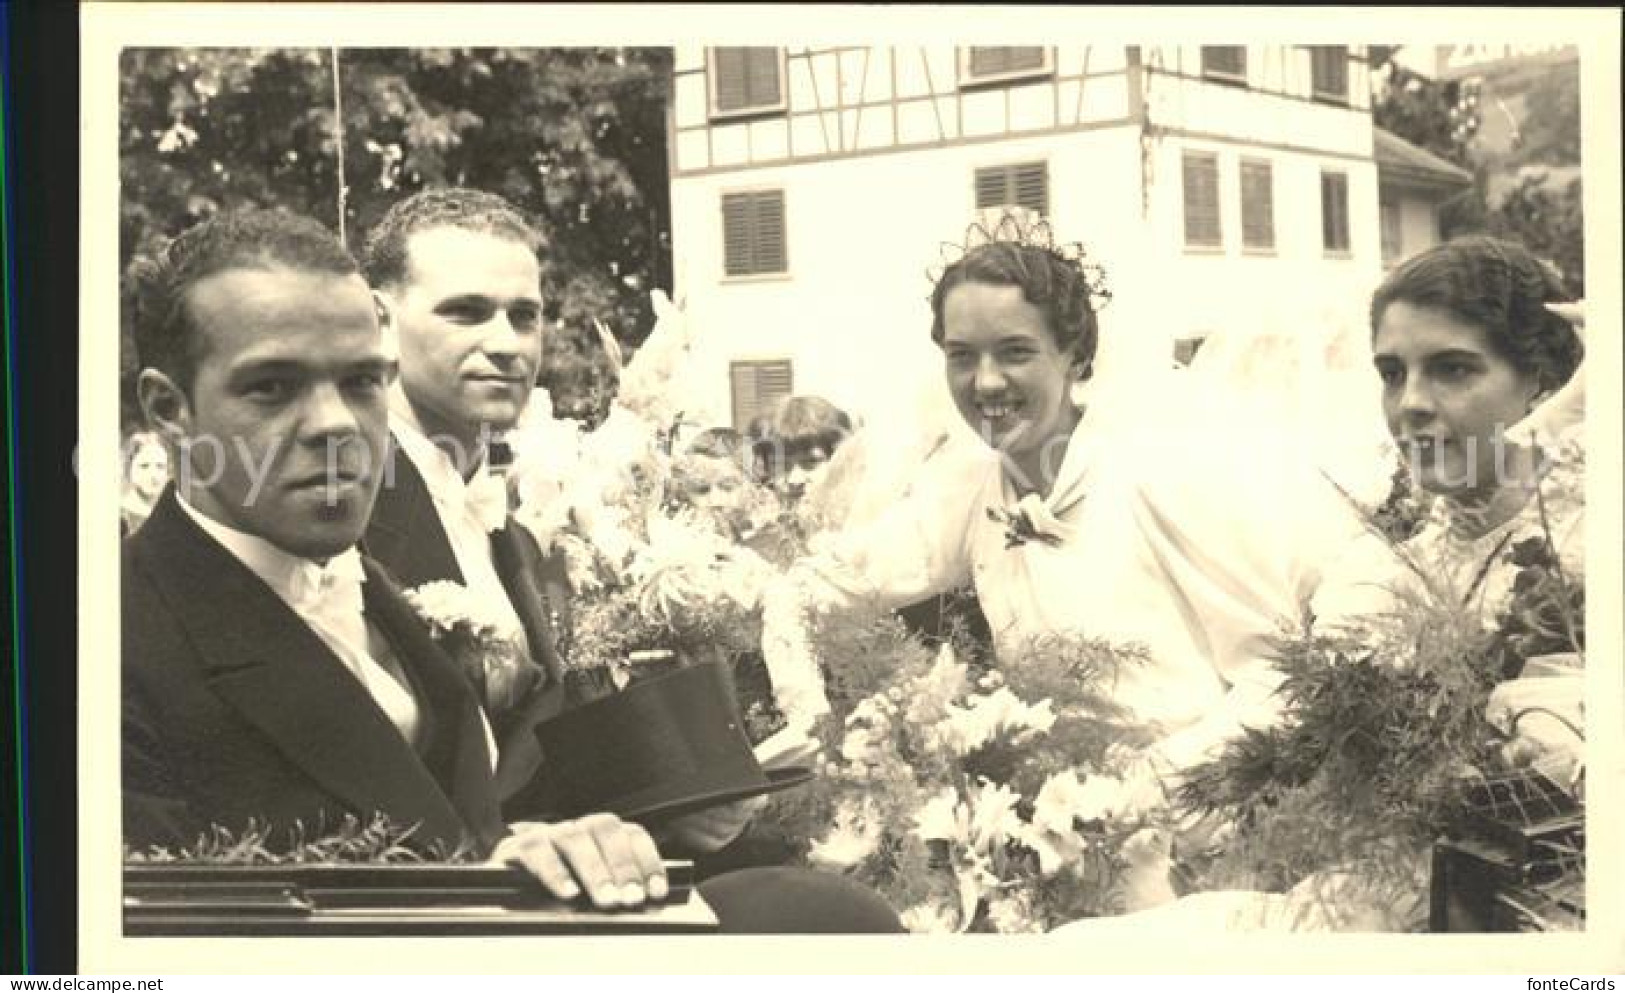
(614, 861)
(710, 829)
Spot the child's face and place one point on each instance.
(716, 487)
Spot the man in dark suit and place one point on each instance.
(270, 673)
(461, 274)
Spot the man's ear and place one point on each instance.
(165, 405)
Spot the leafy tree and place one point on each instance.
(574, 136)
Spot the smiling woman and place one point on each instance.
(1074, 523)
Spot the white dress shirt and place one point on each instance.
(469, 511)
(328, 598)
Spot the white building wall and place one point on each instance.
(852, 314)
(1203, 291)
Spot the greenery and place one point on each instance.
(376, 840)
(575, 136)
(1530, 193)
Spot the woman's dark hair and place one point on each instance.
(1498, 286)
(1055, 285)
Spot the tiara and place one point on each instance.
(1011, 225)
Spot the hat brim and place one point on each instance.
(777, 779)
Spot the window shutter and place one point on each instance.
(1002, 61)
(1257, 205)
(757, 386)
(1225, 61)
(1329, 72)
(1334, 211)
(753, 233)
(1022, 185)
(1393, 239)
(747, 78)
(1201, 182)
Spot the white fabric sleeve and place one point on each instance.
(1240, 543)
(917, 549)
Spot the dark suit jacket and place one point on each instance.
(407, 538)
(234, 709)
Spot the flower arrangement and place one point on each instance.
(974, 799)
(491, 653)
(1390, 738)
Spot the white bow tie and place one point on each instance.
(486, 498)
(330, 595)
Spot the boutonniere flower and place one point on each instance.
(1019, 527)
(490, 653)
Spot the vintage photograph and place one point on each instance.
(1099, 489)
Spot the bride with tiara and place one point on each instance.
(1070, 515)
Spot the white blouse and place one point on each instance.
(1185, 541)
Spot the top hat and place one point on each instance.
(668, 745)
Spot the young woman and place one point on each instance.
(1076, 522)
(146, 471)
(1476, 350)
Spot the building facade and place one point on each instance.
(813, 190)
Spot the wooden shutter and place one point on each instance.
(1334, 211)
(753, 233)
(1201, 182)
(757, 386)
(1329, 72)
(1022, 185)
(1227, 62)
(1393, 236)
(985, 62)
(1257, 204)
(747, 79)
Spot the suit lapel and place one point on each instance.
(267, 663)
(454, 746)
(519, 565)
(405, 533)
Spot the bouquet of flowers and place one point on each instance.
(491, 653)
(975, 799)
(1396, 732)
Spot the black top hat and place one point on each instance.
(669, 745)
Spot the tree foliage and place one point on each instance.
(574, 136)
(1537, 203)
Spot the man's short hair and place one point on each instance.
(166, 338)
(383, 258)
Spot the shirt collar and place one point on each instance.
(286, 574)
(439, 474)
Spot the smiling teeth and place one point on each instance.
(996, 412)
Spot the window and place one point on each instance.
(1024, 185)
(746, 81)
(981, 65)
(753, 233)
(1202, 228)
(1257, 205)
(757, 386)
(1329, 72)
(1393, 237)
(1334, 212)
(1227, 63)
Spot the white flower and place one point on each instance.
(1061, 802)
(943, 818)
(929, 918)
(993, 818)
(447, 605)
(984, 718)
(854, 837)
